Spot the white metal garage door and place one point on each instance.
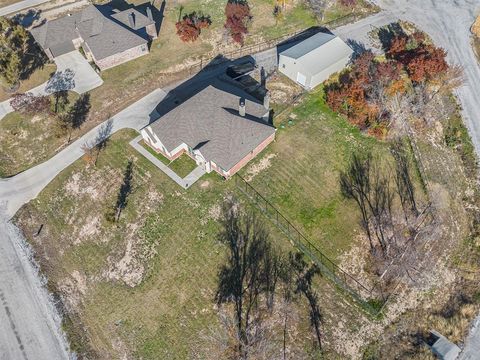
(301, 79)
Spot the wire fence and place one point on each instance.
(366, 297)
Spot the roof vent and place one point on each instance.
(149, 13)
(131, 20)
(241, 107)
(69, 14)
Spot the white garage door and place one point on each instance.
(301, 79)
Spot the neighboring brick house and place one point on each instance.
(108, 37)
(221, 128)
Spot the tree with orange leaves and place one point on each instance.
(189, 28)
(238, 16)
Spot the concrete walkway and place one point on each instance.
(186, 182)
(19, 6)
(73, 73)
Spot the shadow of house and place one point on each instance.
(214, 121)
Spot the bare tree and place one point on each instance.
(60, 101)
(248, 274)
(93, 149)
(403, 179)
(303, 285)
(453, 78)
(76, 115)
(365, 183)
(30, 104)
(380, 203)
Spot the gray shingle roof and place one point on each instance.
(139, 20)
(307, 45)
(313, 60)
(209, 121)
(104, 36)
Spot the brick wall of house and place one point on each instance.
(160, 151)
(122, 57)
(249, 157)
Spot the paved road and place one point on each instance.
(73, 73)
(28, 321)
(10, 9)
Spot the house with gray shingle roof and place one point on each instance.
(108, 37)
(221, 127)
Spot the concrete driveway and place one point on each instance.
(85, 77)
(73, 73)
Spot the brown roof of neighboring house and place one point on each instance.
(104, 35)
(210, 122)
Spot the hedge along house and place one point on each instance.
(221, 128)
(314, 59)
(107, 36)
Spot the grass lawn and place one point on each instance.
(27, 140)
(37, 78)
(145, 285)
(171, 234)
(160, 157)
(183, 165)
(302, 179)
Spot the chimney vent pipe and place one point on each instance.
(241, 107)
(131, 20)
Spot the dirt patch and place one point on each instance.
(73, 288)
(129, 269)
(205, 184)
(256, 168)
(90, 228)
(282, 90)
(96, 186)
